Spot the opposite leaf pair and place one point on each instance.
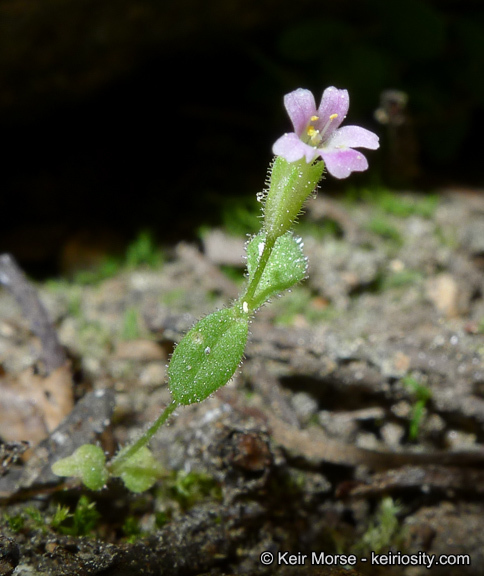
(210, 353)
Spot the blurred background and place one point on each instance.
(118, 116)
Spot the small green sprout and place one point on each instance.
(301, 302)
(144, 252)
(106, 269)
(61, 514)
(81, 522)
(394, 203)
(130, 329)
(400, 279)
(384, 529)
(16, 522)
(382, 227)
(37, 519)
(239, 216)
(422, 396)
(187, 488)
(131, 529)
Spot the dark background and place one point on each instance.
(121, 115)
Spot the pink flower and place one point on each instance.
(317, 133)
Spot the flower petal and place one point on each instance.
(300, 106)
(292, 148)
(340, 163)
(334, 101)
(353, 137)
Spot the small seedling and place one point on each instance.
(130, 329)
(106, 269)
(384, 529)
(81, 522)
(132, 529)
(61, 514)
(208, 356)
(422, 396)
(393, 203)
(144, 252)
(190, 487)
(16, 522)
(382, 227)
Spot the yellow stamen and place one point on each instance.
(313, 134)
(333, 116)
(314, 118)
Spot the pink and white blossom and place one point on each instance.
(317, 132)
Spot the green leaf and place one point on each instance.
(207, 357)
(87, 463)
(140, 471)
(287, 266)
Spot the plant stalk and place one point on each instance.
(127, 452)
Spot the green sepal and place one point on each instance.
(209, 354)
(140, 471)
(88, 463)
(286, 267)
(290, 185)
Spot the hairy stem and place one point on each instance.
(248, 297)
(127, 452)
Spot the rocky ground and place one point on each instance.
(356, 423)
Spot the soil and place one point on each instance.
(355, 425)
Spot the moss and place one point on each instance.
(161, 518)
(383, 530)
(400, 279)
(132, 529)
(241, 216)
(189, 488)
(174, 297)
(107, 269)
(81, 522)
(300, 301)
(447, 236)
(422, 395)
(143, 251)
(288, 486)
(70, 294)
(320, 230)
(35, 517)
(234, 273)
(61, 514)
(394, 203)
(74, 303)
(130, 329)
(382, 227)
(93, 337)
(27, 518)
(15, 522)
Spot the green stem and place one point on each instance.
(248, 297)
(127, 452)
